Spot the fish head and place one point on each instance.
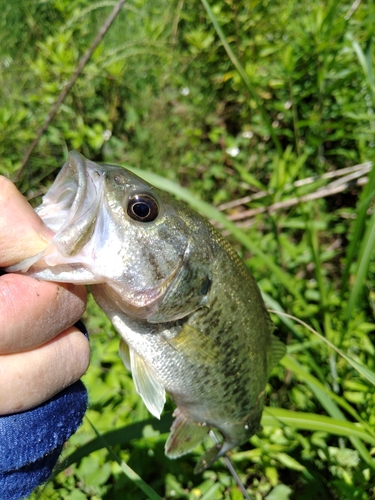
(138, 245)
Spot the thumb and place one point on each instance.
(22, 232)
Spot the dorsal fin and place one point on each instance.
(278, 351)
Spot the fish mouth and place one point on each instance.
(66, 194)
(70, 209)
(71, 205)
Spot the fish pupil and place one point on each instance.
(143, 208)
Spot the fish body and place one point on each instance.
(190, 315)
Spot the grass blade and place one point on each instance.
(304, 376)
(313, 422)
(328, 400)
(363, 247)
(359, 228)
(274, 305)
(362, 369)
(128, 471)
(365, 60)
(365, 253)
(136, 479)
(119, 436)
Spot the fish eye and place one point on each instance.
(143, 208)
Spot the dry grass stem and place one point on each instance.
(355, 176)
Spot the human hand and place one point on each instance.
(41, 353)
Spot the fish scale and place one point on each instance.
(191, 317)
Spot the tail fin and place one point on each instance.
(213, 454)
(208, 458)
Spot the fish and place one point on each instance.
(191, 318)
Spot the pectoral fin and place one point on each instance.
(125, 354)
(185, 435)
(146, 383)
(197, 346)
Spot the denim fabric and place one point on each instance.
(31, 441)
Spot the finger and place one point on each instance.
(33, 312)
(23, 233)
(29, 378)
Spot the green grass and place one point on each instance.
(215, 101)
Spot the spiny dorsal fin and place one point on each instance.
(185, 435)
(278, 351)
(146, 383)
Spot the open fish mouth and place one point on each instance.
(73, 201)
(70, 209)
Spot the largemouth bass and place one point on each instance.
(191, 317)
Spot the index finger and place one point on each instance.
(23, 233)
(33, 312)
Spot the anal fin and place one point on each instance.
(185, 435)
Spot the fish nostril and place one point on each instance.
(119, 179)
